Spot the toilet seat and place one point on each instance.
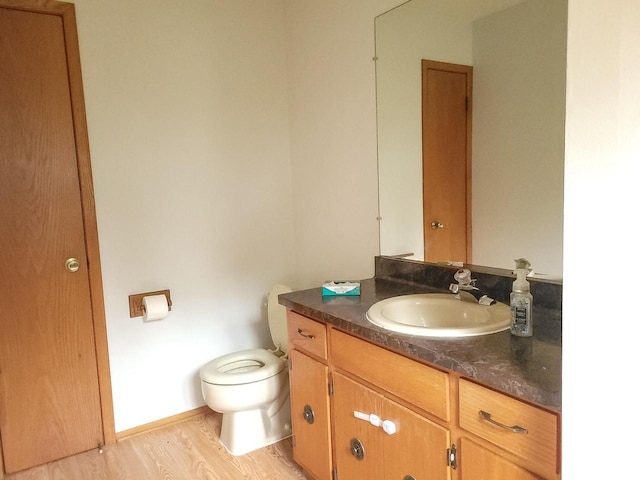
(246, 366)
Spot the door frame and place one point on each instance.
(67, 13)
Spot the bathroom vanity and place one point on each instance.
(369, 403)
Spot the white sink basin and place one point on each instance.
(438, 315)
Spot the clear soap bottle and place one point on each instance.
(521, 301)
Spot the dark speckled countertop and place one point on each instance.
(528, 368)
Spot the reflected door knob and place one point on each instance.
(72, 264)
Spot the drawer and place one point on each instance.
(306, 335)
(418, 384)
(538, 446)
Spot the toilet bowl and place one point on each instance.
(251, 388)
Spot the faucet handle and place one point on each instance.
(463, 277)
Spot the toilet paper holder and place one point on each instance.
(136, 309)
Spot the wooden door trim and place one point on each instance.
(67, 13)
(468, 70)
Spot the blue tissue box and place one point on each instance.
(340, 288)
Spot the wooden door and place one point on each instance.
(53, 353)
(310, 415)
(446, 161)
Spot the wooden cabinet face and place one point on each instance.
(478, 463)
(526, 431)
(310, 415)
(306, 335)
(349, 396)
(417, 448)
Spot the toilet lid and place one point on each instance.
(277, 316)
(246, 366)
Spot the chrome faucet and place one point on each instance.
(466, 289)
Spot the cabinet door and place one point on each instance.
(351, 433)
(310, 415)
(478, 463)
(419, 447)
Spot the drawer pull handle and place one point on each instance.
(306, 335)
(514, 428)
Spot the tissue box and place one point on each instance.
(336, 287)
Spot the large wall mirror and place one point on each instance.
(518, 53)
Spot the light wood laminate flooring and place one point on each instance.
(181, 451)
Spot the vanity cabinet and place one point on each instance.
(309, 381)
(387, 416)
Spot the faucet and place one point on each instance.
(466, 289)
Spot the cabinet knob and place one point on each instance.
(308, 414)
(409, 477)
(356, 448)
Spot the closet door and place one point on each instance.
(50, 397)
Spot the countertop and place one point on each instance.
(528, 368)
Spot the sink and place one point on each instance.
(439, 315)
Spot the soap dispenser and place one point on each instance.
(521, 301)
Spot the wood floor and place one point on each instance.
(182, 451)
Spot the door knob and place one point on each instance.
(72, 264)
(435, 225)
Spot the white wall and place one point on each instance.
(602, 173)
(188, 124)
(333, 137)
(519, 65)
(519, 61)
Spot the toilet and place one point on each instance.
(251, 388)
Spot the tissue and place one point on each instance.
(335, 287)
(155, 307)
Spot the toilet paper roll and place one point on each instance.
(155, 307)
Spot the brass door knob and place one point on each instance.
(72, 264)
(436, 225)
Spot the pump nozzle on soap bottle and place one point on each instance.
(521, 301)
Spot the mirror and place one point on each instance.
(518, 52)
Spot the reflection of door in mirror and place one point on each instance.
(446, 161)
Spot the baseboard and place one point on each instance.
(163, 422)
